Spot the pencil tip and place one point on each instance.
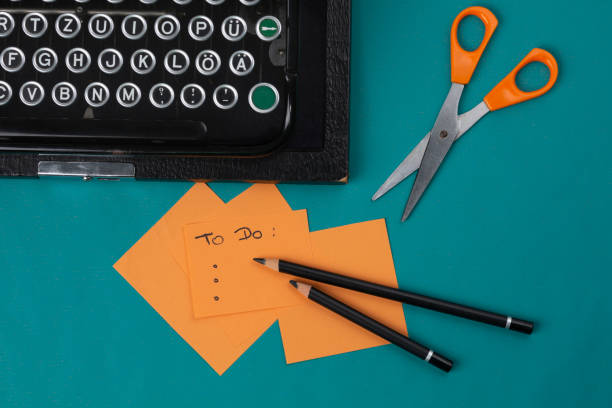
(293, 283)
(260, 260)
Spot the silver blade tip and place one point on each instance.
(408, 212)
(380, 192)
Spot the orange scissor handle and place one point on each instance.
(507, 93)
(463, 63)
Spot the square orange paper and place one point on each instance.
(224, 278)
(361, 251)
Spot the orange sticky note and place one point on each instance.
(224, 278)
(201, 203)
(361, 251)
(198, 203)
(152, 272)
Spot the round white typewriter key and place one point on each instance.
(134, 26)
(110, 61)
(12, 59)
(225, 97)
(193, 96)
(249, 2)
(96, 94)
(31, 93)
(6, 92)
(208, 62)
(241, 63)
(201, 28)
(34, 25)
(161, 96)
(7, 24)
(167, 27)
(44, 60)
(215, 2)
(128, 95)
(78, 60)
(143, 61)
(176, 62)
(234, 28)
(67, 25)
(100, 26)
(64, 94)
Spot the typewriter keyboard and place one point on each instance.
(192, 76)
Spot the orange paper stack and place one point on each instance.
(195, 268)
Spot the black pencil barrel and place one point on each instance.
(403, 296)
(380, 329)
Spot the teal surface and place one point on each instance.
(518, 220)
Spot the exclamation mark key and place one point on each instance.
(193, 96)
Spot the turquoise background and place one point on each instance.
(518, 220)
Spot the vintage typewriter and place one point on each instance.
(122, 81)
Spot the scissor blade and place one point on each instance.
(434, 155)
(443, 135)
(411, 163)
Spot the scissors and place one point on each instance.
(429, 154)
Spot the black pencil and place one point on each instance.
(399, 295)
(372, 325)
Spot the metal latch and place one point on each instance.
(87, 170)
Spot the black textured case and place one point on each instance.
(325, 160)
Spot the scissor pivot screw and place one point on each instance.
(443, 134)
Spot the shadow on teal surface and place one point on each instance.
(517, 220)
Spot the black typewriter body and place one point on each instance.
(175, 89)
(138, 76)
